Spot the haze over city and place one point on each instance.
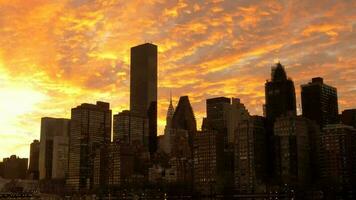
(55, 55)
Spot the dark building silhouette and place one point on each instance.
(208, 152)
(90, 129)
(223, 116)
(53, 156)
(183, 118)
(15, 167)
(279, 94)
(293, 156)
(143, 87)
(131, 128)
(217, 116)
(319, 102)
(250, 156)
(181, 137)
(33, 169)
(1, 169)
(337, 158)
(348, 117)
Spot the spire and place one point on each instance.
(170, 110)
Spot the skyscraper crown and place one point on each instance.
(278, 73)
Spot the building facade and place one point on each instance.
(348, 117)
(208, 152)
(319, 102)
(337, 157)
(131, 128)
(50, 152)
(33, 168)
(293, 153)
(15, 167)
(143, 87)
(250, 156)
(90, 129)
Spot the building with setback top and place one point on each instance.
(279, 94)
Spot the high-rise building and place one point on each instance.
(53, 158)
(33, 168)
(183, 118)
(250, 156)
(1, 169)
(337, 157)
(293, 151)
(90, 129)
(166, 142)
(143, 87)
(223, 116)
(319, 102)
(15, 167)
(348, 117)
(279, 94)
(131, 128)
(208, 152)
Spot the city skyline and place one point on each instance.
(212, 63)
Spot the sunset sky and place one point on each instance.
(57, 54)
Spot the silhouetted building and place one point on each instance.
(1, 169)
(279, 94)
(208, 152)
(33, 169)
(53, 156)
(337, 157)
(165, 145)
(183, 118)
(143, 87)
(223, 116)
(293, 151)
(348, 117)
(251, 156)
(217, 111)
(131, 128)
(90, 129)
(319, 102)
(15, 167)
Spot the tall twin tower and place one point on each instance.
(143, 88)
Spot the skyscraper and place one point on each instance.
(33, 168)
(184, 119)
(223, 116)
(208, 152)
(348, 117)
(338, 158)
(279, 94)
(319, 102)
(251, 156)
(90, 129)
(293, 150)
(166, 143)
(53, 158)
(143, 87)
(131, 128)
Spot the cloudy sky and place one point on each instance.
(56, 54)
